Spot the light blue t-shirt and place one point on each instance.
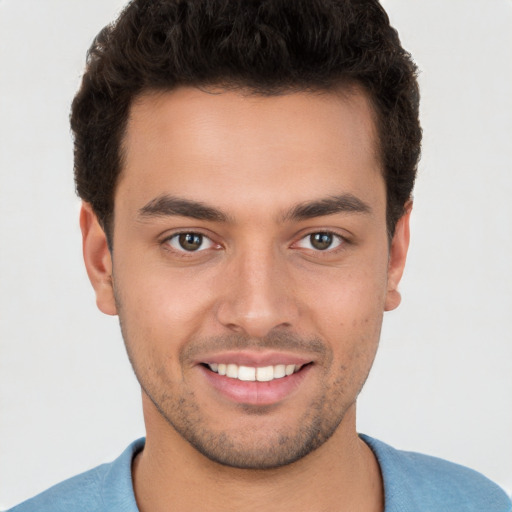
(412, 483)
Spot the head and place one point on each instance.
(192, 119)
(267, 48)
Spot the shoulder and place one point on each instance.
(432, 484)
(106, 487)
(81, 492)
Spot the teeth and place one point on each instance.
(265, 374)
(280, 371)
(249, 373)
(232, 371)
(246, 373)
(290, 368)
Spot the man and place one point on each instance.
(246, 170)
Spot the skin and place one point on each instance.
(257, 287)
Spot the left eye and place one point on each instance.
(320, 241)
(190, 242)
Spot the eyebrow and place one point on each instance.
(344, 203)
(166, 205)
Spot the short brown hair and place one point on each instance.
(266, 46)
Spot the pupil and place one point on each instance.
(190, 241)
(321, 241)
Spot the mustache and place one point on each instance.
(285, 341)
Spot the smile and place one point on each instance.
(250, 373)
(257, 379)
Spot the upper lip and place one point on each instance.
(253, 358)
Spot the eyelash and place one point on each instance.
(337, 239)
(167, 242)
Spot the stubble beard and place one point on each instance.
(246, 449)
(243, 451)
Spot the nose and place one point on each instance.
(258, 294)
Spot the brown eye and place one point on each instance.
(321, 241)
(190, 242)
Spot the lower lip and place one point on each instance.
(254, 392)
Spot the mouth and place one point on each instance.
(254, 373)
(255, 385)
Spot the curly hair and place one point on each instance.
(267, 47)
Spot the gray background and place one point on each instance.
(442, 383)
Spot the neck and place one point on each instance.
(342, 474)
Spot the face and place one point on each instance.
(250, 266)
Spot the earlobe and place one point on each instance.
(397, 258)
(98, 260)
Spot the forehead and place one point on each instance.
(192, 143)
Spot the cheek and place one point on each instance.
(347, 299)
(346, 309)
(159, 310)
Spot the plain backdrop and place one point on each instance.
(442, 382)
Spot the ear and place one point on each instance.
(98, 260)
(397, 257)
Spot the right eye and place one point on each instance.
(189, 242)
